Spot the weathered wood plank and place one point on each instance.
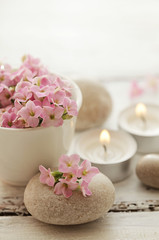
(119, 226)
(10, 206)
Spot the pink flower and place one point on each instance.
(17, 105)
(5, 74)
(57, 97)
(23, 95)
(70, 106)
(71, 176)
(153, 83)
(52, 116)
(85, 190)
(34, 65)
(38, 97)
(42, 80)
(22, 74)
(63, 85)
(5, 96)
(40, 92)
(135, 90)
(21, 123)
(30, 113)
(69, 164)
(46, 177)
(8, 120)
(22, 84)
(65, 187)
(86, 171)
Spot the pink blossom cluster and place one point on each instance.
(137, 89)
(70, 176)
(31, 96)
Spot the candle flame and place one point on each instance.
(2, 67)
(104, 137)
(141, 110)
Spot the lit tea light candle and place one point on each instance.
(142, 122)
(141, 112)
(104, 139)
(115, 160)
(2, 67)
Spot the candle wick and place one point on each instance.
(105, 148)
(143, 119)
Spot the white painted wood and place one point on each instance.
(113, 226)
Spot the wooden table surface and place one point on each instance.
(134, 214)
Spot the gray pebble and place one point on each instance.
(147, 170)
(47, 207)
(96, 105)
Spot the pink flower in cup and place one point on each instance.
(34, 65)
(23, 95)
(63, 86)
(86, 172)
(65, 187)
(69, 164)
(30, 113)
(5, 96)
(23, 75)
(46, 177)
(52, 116)
(22, 84)
(42, 81)
(8, 120)
(40, 91)
(57, 97)
(84, 189)
(5, 74)
(70, 106)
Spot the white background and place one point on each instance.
(92, 38)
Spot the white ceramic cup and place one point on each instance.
(23, 150)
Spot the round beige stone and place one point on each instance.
(48, 207)
(96, 105)
(147, 170)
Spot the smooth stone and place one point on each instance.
(96, 105)
(147, 170)
(48, 207)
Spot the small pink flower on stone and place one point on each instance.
(69, 164)
(65, 187)
(71, 176)
(70, 106)
(46, 177)
(30, 113)
(86, 171)
(8, 120)
(85, 190)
